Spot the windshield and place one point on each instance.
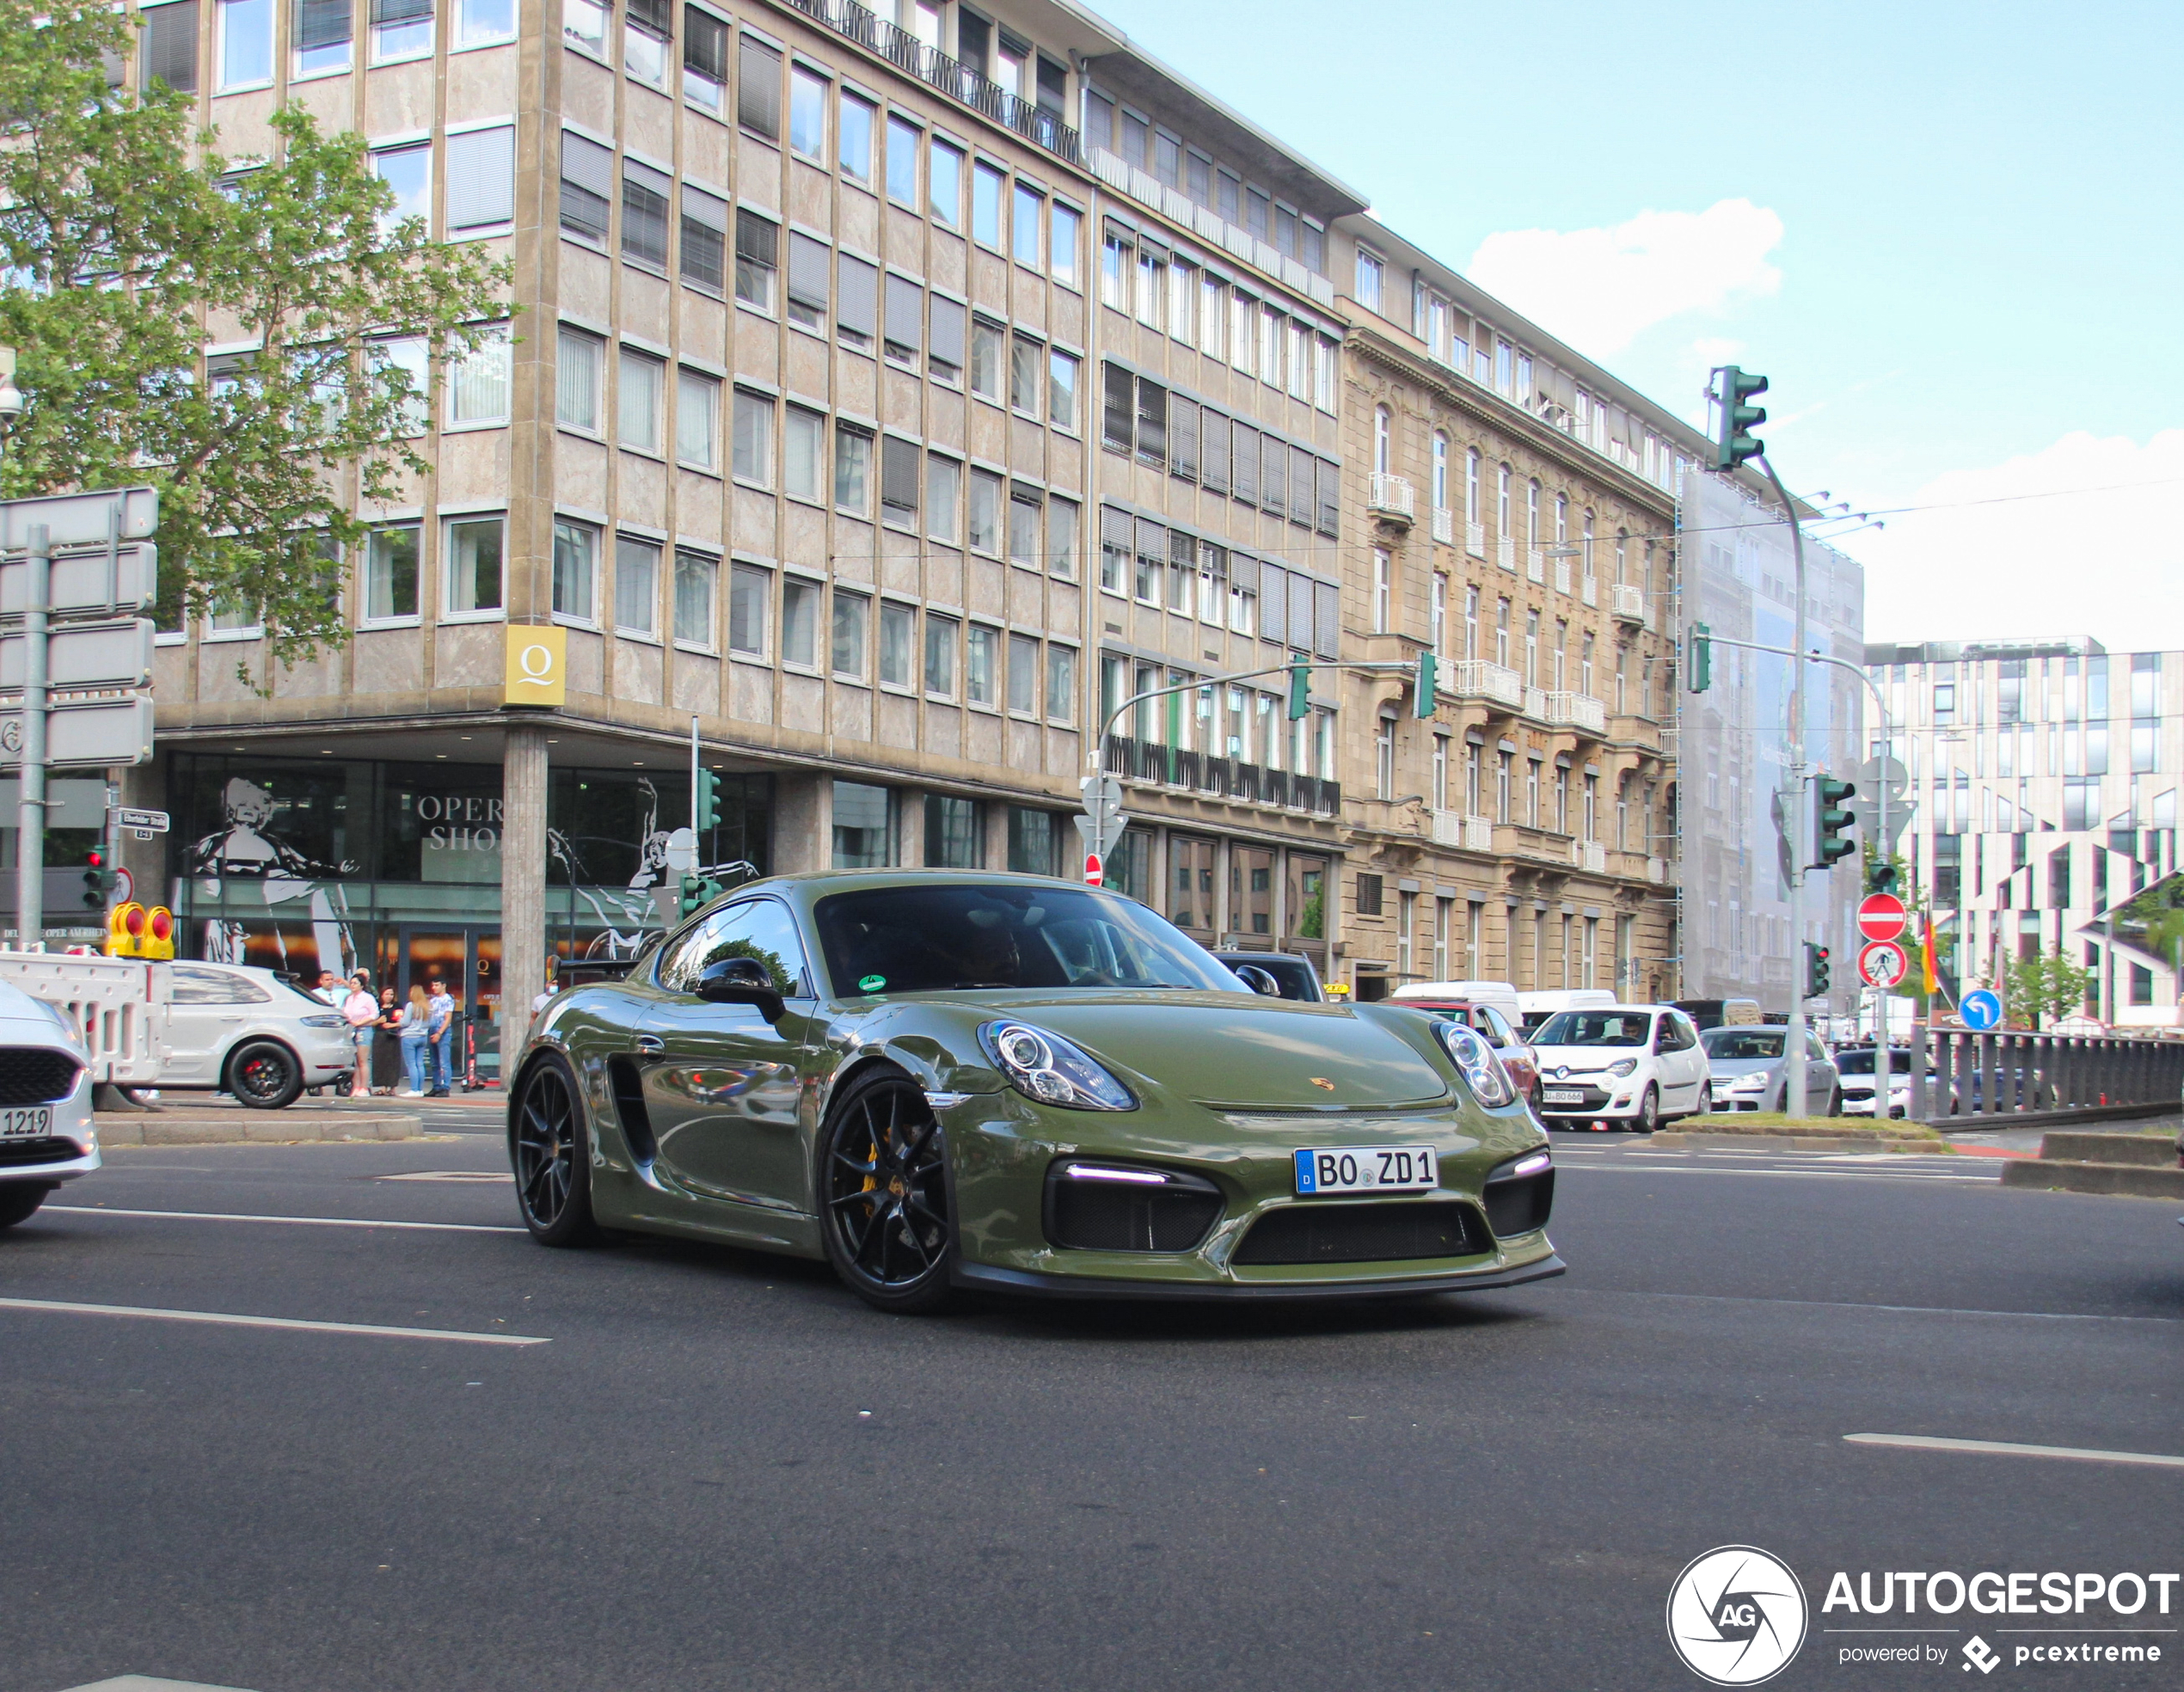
(1292, 975)
(1735, 1045)
(955, 936)
(1595, 1028)
(1861, 1062)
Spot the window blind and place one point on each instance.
(644, 212)
(758, 87)
(905, 316)
(705, 44)
(170, 46)
(705, 238)
(588, 184)
(481, 177)
(322, 23)
(857, 310)
(806, 272)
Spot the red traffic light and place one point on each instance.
(94, 859)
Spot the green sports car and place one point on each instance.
(941, 1079)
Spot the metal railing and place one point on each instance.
(1536, 564)
(1477, 678)
(1589, 590)
(1151, 763)
(1536, 704)
(929, 64)
(1561, 575)
(1576, 710)
(1444, 525)
(1391, 495)
(1506, 552)
(1475, 539)
(1957, 1073)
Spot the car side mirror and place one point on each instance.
(1260, 980)
(741, 981)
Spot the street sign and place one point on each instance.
(125, 886)
(86, 581)
(1882, 964)
(1095, 873)
(96, 734)
(1101, 793)
(1103, 842)
(82, 519)
(1874, 775)
(1981, 1010)
(144, 822)
(85, 655)
(1882, 916)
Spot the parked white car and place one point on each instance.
(232, 1028)
(46, 1135)
(1640, 1065)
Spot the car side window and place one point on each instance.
(1672, 1036)
(204, 986)
(1489, 1022)
(760, 929)
(1814, 1052)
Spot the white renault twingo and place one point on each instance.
(1634, 1065)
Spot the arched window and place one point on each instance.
(1382, 441)
(1440, 472)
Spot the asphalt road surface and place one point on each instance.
(721, 1471)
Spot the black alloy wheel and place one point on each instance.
(884, 1202)
(547, 1145)
(19, 1199)
(264, 1075)
(1648, 1117)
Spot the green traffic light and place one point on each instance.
(706, 813)
(1832, 821)
(1817, 974)
(1300, 691)
(1698, 663)
(1880, 877)
(1736, 443)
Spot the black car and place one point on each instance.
(1293, 972)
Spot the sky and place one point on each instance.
(1948, 234)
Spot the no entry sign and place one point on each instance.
(1882, 964)
(1095, 873)
(1882, 916)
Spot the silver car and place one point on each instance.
(46, 1135)
(1748, 1070)
(232, 1028)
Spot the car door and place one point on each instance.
(204, 1016)
(1820, 1078)
(1682, 1062)
(722, 1085)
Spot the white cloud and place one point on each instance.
(1599, 289)
(2097, 555)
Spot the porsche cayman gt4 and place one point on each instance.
(938, 1080)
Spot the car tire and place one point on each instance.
(550, 1151)
(19, 1200)
(886, 1213)
(264, 1075)
(1648, 1117)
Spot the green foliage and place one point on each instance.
(2046, 985)
(130, 244)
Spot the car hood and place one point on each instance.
(1225, 1050)
(1741, 1066)
(1583, 1059)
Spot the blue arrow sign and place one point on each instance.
(1981, 1010)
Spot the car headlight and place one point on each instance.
(1627, 1066)
(1045, 1067)
(1482, 1069)
(1751, 1083)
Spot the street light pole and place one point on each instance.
(30, 823)
(1795, 1102)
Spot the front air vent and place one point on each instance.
(1518, 1203)
(51, 1149)
(1120, 1207)
(1388, 1232)
(629, 1090)
(36, 1075)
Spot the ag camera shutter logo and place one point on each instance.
(1736, 1615)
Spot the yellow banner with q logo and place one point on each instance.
(537, 666)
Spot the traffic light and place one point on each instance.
(708, 811)
(1736, 443)
(1300, 691)
(1816, 969)
(1422, 703)
(1832, 821)
(98, 880)
(124, 929)
(1880, 877)
(698, 891)
(1698, 658)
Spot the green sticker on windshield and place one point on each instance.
(872, 984)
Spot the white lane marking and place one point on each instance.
(221, 1319)
(1998, 1448)
(451, 1176)
(298, 1222)
(1851, 1304)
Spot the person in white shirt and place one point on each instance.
(439, 1018)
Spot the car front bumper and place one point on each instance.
(69, 1151)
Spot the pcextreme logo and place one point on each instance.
(1736, 1615)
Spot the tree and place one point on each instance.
(2044, 985)
(129, 244)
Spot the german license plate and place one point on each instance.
(1563, 1095)
(1368, 1169)
(25, 1125)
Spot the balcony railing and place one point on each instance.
(958, 81)
(1657, 870)
(1626, 600)
(1576, 710)
(1476, 678)
(1561, 575)
(1466, 834)
(1589, 590)
(1391, 495)
(1444, 525)
(1536, 704)
(1536, 564)
(1475, 539)
(1505, 551)
(1589, 855)
(1149, 762)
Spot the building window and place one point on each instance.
(979, 663)
(646, 25)
(757, 244)
(904, 141)
(944, 185)
(1370, 273)
(1023, 675)
(705, 59)
(1061, 538)
(941, 636)
(472, 550)
(943, 494)
(697, 410)
(852, 612)
(1061, 684)
(864, 826)
(323, 30)
(1061, 390)
(245, 38)
(408, 171)
(955, 833)
(750, 596)
(986, 342)
(477, 383)
(1023, 529)
(390, 574)
(803, 457)
(168, 52)
(694, 577)
(400, 29)
(636, 585)
(1032, 840)
(1064, 227)
(576, 568)
(1383, 590)
(807, 282)
(576, 380)
(852, 471)
(587, 180)
(984, 534)
(705, 240)
(641, 378)
(985, 205)
(854, 124)
(799, 601)
(898, 627)
(753, 441)
(806, 113)
(1024, 230)
(1025, 360)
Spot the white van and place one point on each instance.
(1501, 995)
(1538, 1006)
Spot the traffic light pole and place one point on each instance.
(1795, 1102)
(30, 825)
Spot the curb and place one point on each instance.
(2126, 1180)
(2137, 1151)
(1675, 1139)
(288, 1127)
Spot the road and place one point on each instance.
(722, 1471)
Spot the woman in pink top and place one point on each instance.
(361, 1010)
